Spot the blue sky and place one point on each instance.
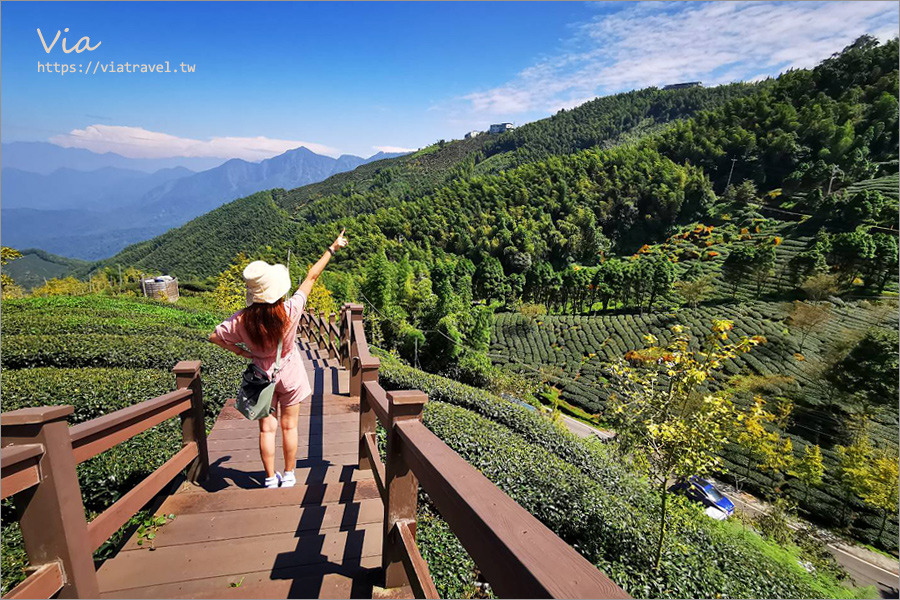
(361, 77)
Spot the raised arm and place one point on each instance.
(316, 269)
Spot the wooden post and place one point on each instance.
(346, 319)
(52, 513)
(332, 319)
(322, 337)
(354, 313)
(193, 423)
(401, 485)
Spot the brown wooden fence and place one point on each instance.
(37, 467)
(519, 556)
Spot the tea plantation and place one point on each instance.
(100, 354)
(582, 347)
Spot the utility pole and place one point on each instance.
(834, 172)
(289, 270)
(733, 160)
(120, 278)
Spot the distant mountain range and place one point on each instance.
(45, 158)
(92, 214)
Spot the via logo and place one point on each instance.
(82, 44)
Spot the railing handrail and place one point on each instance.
(40, 451)
(102, 433)
(12, 456)
(518, 554)
(21, 468)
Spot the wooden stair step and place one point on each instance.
(334, 453)
(250, 476)
(305, 421)
(235, 557)
(189, 501)
(329, 436)
(217, 526)
(297, 582)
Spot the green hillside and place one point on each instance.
(206, 245)
(397, 181)
(35, 266)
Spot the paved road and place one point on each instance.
(583, 430)
(864, 572)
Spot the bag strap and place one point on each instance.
(278, 358)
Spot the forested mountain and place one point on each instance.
(36, 266)
(601, 122)
(379, 184)
(109, 188)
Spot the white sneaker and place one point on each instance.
(273, 481)
(288, 480)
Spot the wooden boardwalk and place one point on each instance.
(233, 538)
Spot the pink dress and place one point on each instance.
(292, 383)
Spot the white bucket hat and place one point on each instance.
(266, 283)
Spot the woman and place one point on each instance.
(266, 320)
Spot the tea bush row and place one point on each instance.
(220, 370)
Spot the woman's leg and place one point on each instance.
(289, 417)
(267, 428)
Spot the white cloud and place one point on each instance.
(393, 149)
(655, 43)
(137, 142)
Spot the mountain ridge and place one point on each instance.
(93, 214)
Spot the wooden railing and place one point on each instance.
(39, 454)
(519, 556)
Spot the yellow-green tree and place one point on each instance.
(320, 299)
(666, 422)
(68, 286)
(881, 490)
(99, 282)
(231, 293)
(756, 430)
(854, 463)
(810, 468)
(8, 287)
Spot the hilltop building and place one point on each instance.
(472, 134)
(501, 128)
(682, 86)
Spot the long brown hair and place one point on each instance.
(266, 323)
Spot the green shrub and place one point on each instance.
(221, 370)
(92, 392)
